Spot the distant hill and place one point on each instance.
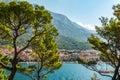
(69, 43)
(72, 36)
(70, 29)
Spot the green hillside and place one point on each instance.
(68, 28)
(72, 36)
(71, 43)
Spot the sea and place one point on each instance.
(69, 71)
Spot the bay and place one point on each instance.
(66, 72)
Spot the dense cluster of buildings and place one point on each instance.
(90, 55)
(23, 55)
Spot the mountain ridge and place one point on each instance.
(68, 28)
(72, 36)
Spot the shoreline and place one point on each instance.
(61, 61)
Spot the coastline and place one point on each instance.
(71, 62)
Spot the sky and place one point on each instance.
(84, 12)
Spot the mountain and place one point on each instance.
(71, 35)
(69, 43)
(70, 29)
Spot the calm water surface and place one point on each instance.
(68, 71)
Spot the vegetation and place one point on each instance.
(70, 29)
(84, 62)
(46, 54)
(16, 18)
(95, 77)
(69, 43)
(62, 41)
(5, 60)
(109, 45)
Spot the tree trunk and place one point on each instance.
(116, 73)
(38, 75)
(119, 77)
(14, 69)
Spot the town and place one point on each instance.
(65, 55)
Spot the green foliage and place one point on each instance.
(62, 41)
(16, 19)
(86, 62)
(109, 45)
(2, 75)
(47, 54)
(27, 70)
(70, 29)
(69, 43)
(5, 61)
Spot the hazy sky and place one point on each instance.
(83, 12)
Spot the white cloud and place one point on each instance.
(87, 26)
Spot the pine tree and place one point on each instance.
(16, 20)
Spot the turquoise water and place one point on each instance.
(68, 71)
